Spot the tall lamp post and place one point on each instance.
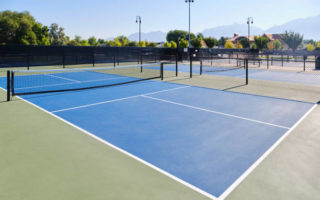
(189, 1)
(138, 21)
(249, 21)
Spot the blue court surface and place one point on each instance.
(207, 138)
(258, 74)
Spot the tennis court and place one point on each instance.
(206, 139)
(295, 77)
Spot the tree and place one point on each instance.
(123, 40)
(167, 45)
(292, 39)
(210, 42)
(270, 45)
(196, 42)
(108, 43)
(261, 42)
(75, 42)
(142, 44)
(239, 45)
(277, 44)
(92, 41)
(152, 44)
(311, 47)
(318, 44)
(116, 43)
(200, 35)
(222, 41)
(229, 45)
(100, 42)
(314, 43)
(57, 35)
(245, 43)
(84, 43)
(183, 43)
(21, 28)
(176, 35)
(173, 44)
(132, 44)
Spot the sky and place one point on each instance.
(110, 18)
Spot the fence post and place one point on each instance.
(282, 60)
(161, 71)
(63, 61)
(177, 65)
(268, 61)
(141, 64)
(93, 60)
(247, 71)
(304, 62)
(28, 61)
(190, 65)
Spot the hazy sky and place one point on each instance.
(107, 18)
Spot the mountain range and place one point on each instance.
(309, 27)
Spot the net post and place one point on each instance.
(161, 71)
(8, 85)
(201, 66)
(268, 61)
(12, 83)
(114, 61)
(304, 62)
(247, 71)
(190, 65)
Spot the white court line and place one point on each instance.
(216, 112)
(114, 100)
(127, 153)
(68, 79)
(97, 80)
(263, 157)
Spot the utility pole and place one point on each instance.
(138, 21)
(189, 1)
(249, 21)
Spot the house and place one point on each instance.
(237, 38)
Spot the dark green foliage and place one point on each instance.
(200, 35)
(100, 42)
(132, 44)
(152, 44)
(21, 28)
(196, 42)
(92, 41)
(261, 42)
(210, 42)
(245, 43)
(176, 35)
(222, 41)
(292, 39)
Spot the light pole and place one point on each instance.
(189, 1)
(138, 20)
(249, 21)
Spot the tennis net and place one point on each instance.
(26, 82)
